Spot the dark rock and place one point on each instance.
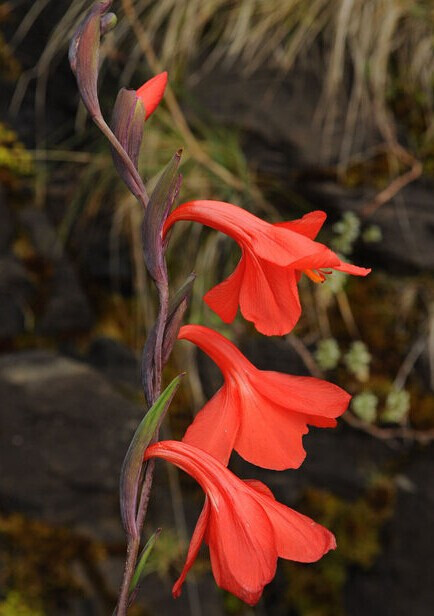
(404, 567)
(16, 290)
(64, 433)
(284, 115)
(67, 308)
(406, 222)
(115, 360)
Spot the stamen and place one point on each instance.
(315, 276)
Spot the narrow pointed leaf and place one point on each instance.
(131, 468)
(159, 206)
(138, 573)
(128, 123)
(177, 307)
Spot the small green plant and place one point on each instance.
(328, 354)
(357, 360)
(397, 406)
(364, 405)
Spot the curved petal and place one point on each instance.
(278, 245)
(242, 545)
(194, 547)
(215, 427)
(297, 537)
(281, 245)
(302, 394)
(309, 225)
(320, 422)
(269, 297)
(349, 268)
(269, 435)
(224, 297)
(221, 350)
(151, 92)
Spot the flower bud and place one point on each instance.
(84, 53)
(128, 121)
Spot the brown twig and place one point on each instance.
(393, 188)
(402, 432)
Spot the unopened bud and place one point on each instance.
(128, 122)
(84, 54)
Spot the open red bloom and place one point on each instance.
(151, 93)
(264, 283)
(263, 415)
(245, 528)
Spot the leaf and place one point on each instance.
(138, 573)
(133, 462)
(159, 206)
(177, 307)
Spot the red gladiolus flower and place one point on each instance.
(245, 528)
(264, 283)
(151, 92)
(263, 415)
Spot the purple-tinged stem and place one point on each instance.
(134, 540)
(142, 195)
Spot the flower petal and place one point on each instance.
(151, 92)
(193, 549)
(303, 394)
(215, 427)
(224, 297)
(309, 225)
(269, 435)
(242, 545)
(349, 268)
(297, 537)
(269, 296)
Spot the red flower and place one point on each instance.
(151, 92)
(261, 414)
(245, 528)
(264, 283)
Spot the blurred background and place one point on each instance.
(282, 106)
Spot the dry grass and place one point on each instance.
(364, 48)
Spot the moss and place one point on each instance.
(317, 590)
(15, 605)
(37, 563)
(14, 158)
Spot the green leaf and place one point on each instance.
(132, 466)
(138, 573)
